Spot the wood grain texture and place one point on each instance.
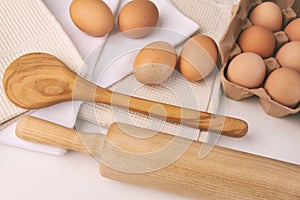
(223, 174)
(39, 80)
(40, 131)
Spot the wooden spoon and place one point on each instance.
(39, 80)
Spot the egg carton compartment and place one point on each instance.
(280, 39)
(288, 15)
(271, 64)
(230, 49)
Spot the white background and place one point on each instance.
(30, 175)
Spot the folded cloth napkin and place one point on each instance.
(115, 60)
(88, 46)
(41, 32)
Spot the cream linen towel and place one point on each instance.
(213, 17)
(28, 26)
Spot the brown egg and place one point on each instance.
(155, 63)
(198, 57)
(257, 39)
(247, 70)
(283, 85)
(289, 55)
(93, 17)
(293, 30)
(267, 14)
(138, 18)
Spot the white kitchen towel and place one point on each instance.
(213, 16)
(29, 26)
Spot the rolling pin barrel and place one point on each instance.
(221, 174)
(165, 162)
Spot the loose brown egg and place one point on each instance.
(155, 63)
(138, 18)
(257, 39)
(247, 70)
(293, 30)
(289, 55)
(198, 57)
(92, 16)
(267, 14)
(283, 85)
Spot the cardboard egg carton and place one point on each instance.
(229, 49)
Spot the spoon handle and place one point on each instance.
(202, 120)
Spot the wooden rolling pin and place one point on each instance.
(38, 80)
(142, 157)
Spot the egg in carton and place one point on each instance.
(229, 49)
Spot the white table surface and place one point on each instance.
(31, 175)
